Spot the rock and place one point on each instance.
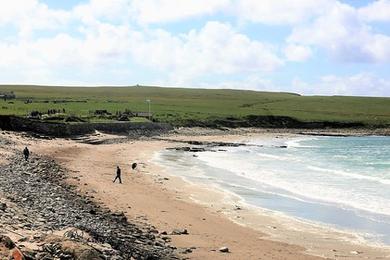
(23, 239)
(7, 242)
(185, 251)
(120, 215)
(224, 249)
(179, 231)
(166, 239)
(42, 255)
(17, 254)
(90, 254)
(3, 206)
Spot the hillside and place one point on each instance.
(184, 106)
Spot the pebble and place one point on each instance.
(179, 231)
(3, 206)
(224, 249)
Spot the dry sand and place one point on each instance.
(151, 195)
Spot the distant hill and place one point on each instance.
(185, 106)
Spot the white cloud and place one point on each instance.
(95, 10)
(297, 53)
(362, 84)
(148, 11)
(162, 11)
(108, 43)
(155, 11)
(376, 11)
(30, 15)
(344, 36)
(280, 11)
(104, 49)
(215, 49)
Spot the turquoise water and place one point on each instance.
(343, 182)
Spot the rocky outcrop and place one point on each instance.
(263, 121)
(15, 123)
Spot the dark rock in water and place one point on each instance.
(197, 149)
(190, 149)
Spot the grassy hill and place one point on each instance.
(182, 105)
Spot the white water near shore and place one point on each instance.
(340, 182)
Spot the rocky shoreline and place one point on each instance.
(36, 198)
(204, 131)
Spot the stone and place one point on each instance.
(224, 249)
(179, 231)
(3, 206)
(23, 239)
(185, 251)
(17, 254)
(7, 242)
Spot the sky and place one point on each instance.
(312, 47)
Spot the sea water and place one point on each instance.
(343, 182)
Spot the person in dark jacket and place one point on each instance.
(26, 153)
(118, 174)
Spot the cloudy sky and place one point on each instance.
(307, 46)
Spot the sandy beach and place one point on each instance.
(151, 195)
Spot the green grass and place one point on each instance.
(178, 104)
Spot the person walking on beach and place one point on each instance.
(118, 174)
(26, 153)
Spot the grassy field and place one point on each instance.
(181, 104)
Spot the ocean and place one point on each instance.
(340, 182)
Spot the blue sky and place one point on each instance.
(313, 47)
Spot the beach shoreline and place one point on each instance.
(319, 239)
(152, 196)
